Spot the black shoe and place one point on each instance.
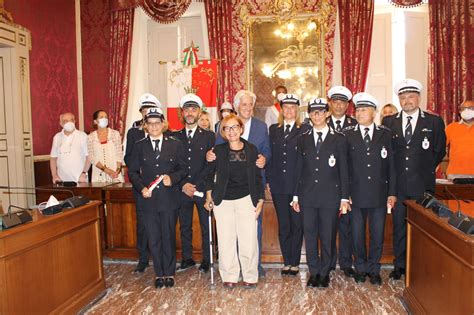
(313, 281)
(294, 270)
(141, 266)
(323, 282)
(397, 273)
(349, 272)
(169, 282)
(188, 263)
(204, 267)
(359, 277)
(159, 282)
(285, 271)
(375, 279)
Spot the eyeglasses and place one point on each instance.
(233, 128)
(154, 124)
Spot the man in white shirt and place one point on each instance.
(69, 156)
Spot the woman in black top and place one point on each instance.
(235, 193)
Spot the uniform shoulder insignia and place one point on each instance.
(348, 128)
(382, 127)
(172, 138)
(141, 140)
(307, 132)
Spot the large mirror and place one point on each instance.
(285, 49)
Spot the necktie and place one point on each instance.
(319, 142)
(287, 131)
(190, 132)
(157, 147)
(408, 130)
(338, 125)
(367, 138)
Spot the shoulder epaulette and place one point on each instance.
(141, 140)
(382, 127)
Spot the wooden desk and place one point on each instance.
(95, 191)
(440, 265)
(53, 264)
(121, 229)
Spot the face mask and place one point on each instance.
(102, 122)
(69, 126)
(225, 114)
(467, 114)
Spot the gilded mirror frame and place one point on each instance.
(284, 11)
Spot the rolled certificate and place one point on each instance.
(155, 183)
(198, 194)
(344, 209)
(389, 208)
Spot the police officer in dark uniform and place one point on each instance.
(159, 156)
(339, 97)
(372, 185)
(281, 180)
(419, 143)
(134, 134)
(196, 142)
(322, 189)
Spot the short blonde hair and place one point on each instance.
(225, 120)
(281, 120)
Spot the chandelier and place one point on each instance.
(295, 61)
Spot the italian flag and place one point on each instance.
(200, 80)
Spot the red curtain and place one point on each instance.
(451, 57)
(219, 27)
(121, 45)
(356, 19)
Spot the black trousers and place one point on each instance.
(142, 238)
(290, 229)
(186, 225)
(376, 218)
(161, 231)
(399, 215)
(319, 224)
(345, 250)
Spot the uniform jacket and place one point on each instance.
(280, 169)
(133, 135)
(195, 155)
(218, 177)
(144, 168)
(416, 162)
(372, 173)
(318, 184)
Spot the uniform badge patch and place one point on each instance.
(332, 161)
(425, 144)
(383, 153)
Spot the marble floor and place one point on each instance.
(129, 293)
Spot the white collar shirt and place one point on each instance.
(414, 119)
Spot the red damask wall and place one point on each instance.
(53, 67)
(95, 37)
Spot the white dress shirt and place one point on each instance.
(193, 130)
(159, 144)
(247, 127)
(414, 119)
(325, 131)
(371, 130)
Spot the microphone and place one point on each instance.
(37, 188)
(12, 219)
(457, 218)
